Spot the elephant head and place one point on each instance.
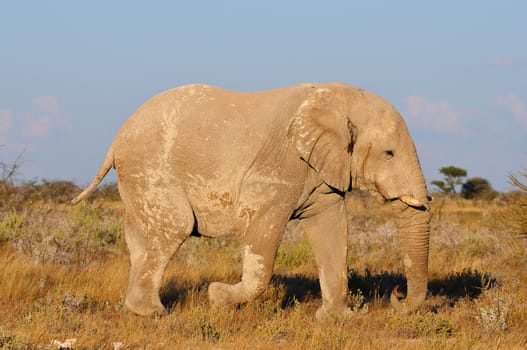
(356, 140)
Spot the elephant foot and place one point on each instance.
(326, 312)
(224, 295)
(142, 307)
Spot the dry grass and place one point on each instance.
(64, 272)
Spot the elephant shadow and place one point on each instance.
(372, 286)
(176, 291)
(378, 286)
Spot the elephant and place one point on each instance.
(201, 159)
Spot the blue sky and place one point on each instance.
(72, 72)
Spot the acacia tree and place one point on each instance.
(453, 177)
(477, 188)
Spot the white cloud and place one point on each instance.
(47, 115)
(44, 115)
(36, 126)
(47, 104)
(6, 121)
(51, 107)
(434, 116)
(502, 61)
(516, 106)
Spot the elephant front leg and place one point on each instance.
(327, 235)
(259, 252)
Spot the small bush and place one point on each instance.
(58, 192)
(23, 195)
(107, 191)
(293, 254)
(427, 325)
(65, 235)
(12, 225)
(55, 191)
(493, 310)
(11, 342)
(89, 234)
(357, 301)
(514, 218)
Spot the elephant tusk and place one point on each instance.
(411, 201)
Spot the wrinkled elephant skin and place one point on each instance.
(244, 164)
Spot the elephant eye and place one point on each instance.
(388, 154)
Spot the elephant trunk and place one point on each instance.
(413, 225)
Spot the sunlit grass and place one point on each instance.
(64, 273)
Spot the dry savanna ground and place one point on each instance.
(63, 274)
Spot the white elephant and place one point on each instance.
(244, 164)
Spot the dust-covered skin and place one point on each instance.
(244, 164)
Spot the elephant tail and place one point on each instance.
(106, 166)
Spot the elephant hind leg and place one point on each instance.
(152, 241)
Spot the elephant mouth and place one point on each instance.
(379, 192)
(407, 199)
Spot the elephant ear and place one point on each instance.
(322, 135)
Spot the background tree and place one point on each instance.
(478, 188)
(453, 177)
(518, 183)
(8, 172)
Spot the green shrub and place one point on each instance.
(417, 325)
(293, 254)
(12, 225)
(59, 192)
(64, 235)
(106, 191)
(11, 342)
(56, 191)
(89, 234)
(29, 192)
(515, 217)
